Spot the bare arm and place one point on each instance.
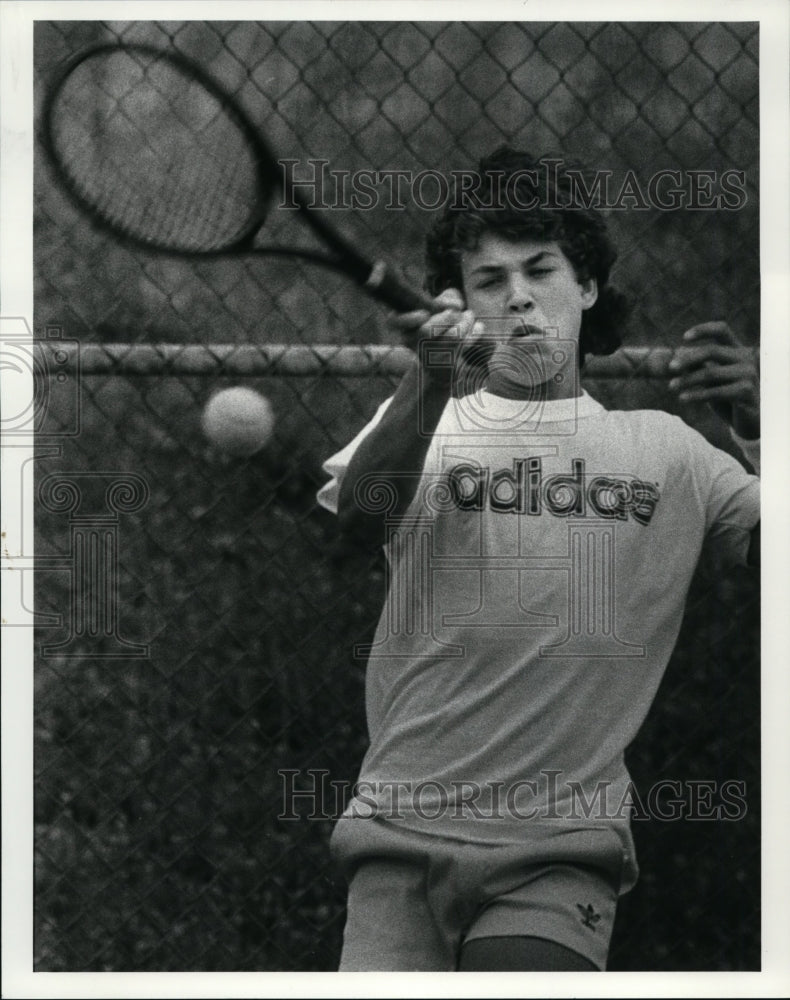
(388, 463)
(753, 557)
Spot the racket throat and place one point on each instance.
(385, 285)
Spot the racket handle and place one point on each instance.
(383, 284)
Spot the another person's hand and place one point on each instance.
(713, 366)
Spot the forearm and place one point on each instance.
(749, 447)
(390, 460)
(753, 556)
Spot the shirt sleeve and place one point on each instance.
(336, 465)
(731, 496)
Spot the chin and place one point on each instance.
(527, 361)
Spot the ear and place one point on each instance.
(589, 293)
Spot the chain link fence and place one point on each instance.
(169, 724)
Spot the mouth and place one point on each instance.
(524, 330)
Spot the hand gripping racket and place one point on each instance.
(157, 152)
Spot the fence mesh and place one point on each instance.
(166, 736)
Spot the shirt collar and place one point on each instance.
(486, 406)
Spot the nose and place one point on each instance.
(520, 297)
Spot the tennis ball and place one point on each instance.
(238, 420)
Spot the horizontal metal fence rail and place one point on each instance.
(295, 360)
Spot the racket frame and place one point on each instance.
(374, 277)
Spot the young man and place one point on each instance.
(540, 550)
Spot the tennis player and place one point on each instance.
(540, 549)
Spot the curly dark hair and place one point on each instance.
(510, 184)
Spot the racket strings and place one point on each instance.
(155, 153)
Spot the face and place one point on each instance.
(531, 303)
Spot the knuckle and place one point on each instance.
(450, 298)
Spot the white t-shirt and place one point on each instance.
(537, 586)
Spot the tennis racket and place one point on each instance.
(153, 149)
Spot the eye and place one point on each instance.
(538, 271)
(491, 282)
